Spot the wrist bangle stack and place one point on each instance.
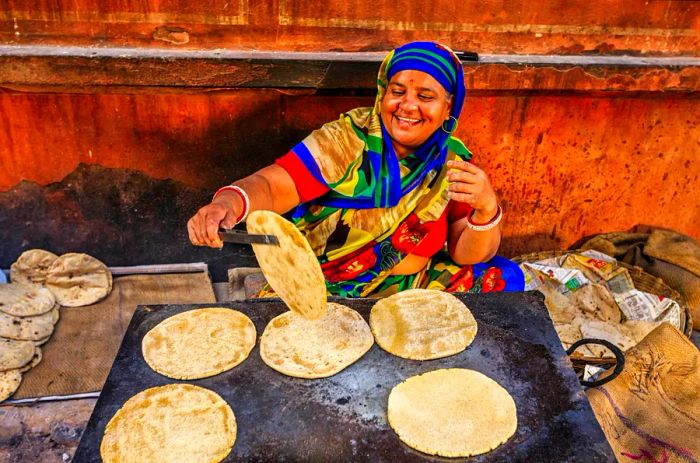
(488, 225)
(244, 196)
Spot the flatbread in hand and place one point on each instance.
(453, 412)
(24, 300)
(15, 354)
(32, 266)
(78, 280)
(199, 343)
(172, 423)
(291, 268)
(422, 324)
(296, 346)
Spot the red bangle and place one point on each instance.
(244, 196)
(488, 225)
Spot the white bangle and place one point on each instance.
(493, 223)
(244, 196)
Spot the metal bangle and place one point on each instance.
(493, 223)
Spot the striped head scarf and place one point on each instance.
(372, 179)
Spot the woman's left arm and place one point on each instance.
(469, 184)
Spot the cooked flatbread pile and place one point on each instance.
(74, 279)
(78, 279)
(422, 324)
(28, 315)
(315, 339)
(172, 423)
(29, 306)
(199, 343)
(32, 266)
(452, 413)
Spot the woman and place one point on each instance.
(379, 191)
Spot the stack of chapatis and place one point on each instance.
(42, 282)
(74, 279)
(27, 318)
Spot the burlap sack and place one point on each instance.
(651, 411)
(673, 257)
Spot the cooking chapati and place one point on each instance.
(32, 266)
(24, 300)
(452, 412)
(303, 348)
(172, 423)
(291, 269)
(15, 354)
(9, 382)
(78, 280)
(422, 324)
(199, 343)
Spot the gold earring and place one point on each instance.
(449, 132)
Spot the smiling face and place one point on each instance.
(415, 105)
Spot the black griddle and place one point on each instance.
(343, 418)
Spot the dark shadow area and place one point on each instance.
(120, 216)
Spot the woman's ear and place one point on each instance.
(449, 106)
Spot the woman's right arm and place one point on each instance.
(270, 188)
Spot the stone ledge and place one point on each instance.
(90, 69)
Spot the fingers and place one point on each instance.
(468, 188)
(203, 228)
(193, 233)
(463, 198)
(463, 166)
(464, 177)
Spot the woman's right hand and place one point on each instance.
(203, 227)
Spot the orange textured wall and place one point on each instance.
(486, 26)
(565, 166)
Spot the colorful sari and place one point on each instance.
(375, 208)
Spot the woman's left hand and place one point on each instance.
(469, 184)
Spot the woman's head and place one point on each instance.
(421, 87)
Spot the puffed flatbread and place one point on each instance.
(452, 413)
(303, 348)
(34, 362)
(28, 328)
(9, 382)
(15, 354)
(422, 324)
(172, 423)
(32, 266)
(78, 280)
(291, 268)
(22, 300)
(199, 343)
